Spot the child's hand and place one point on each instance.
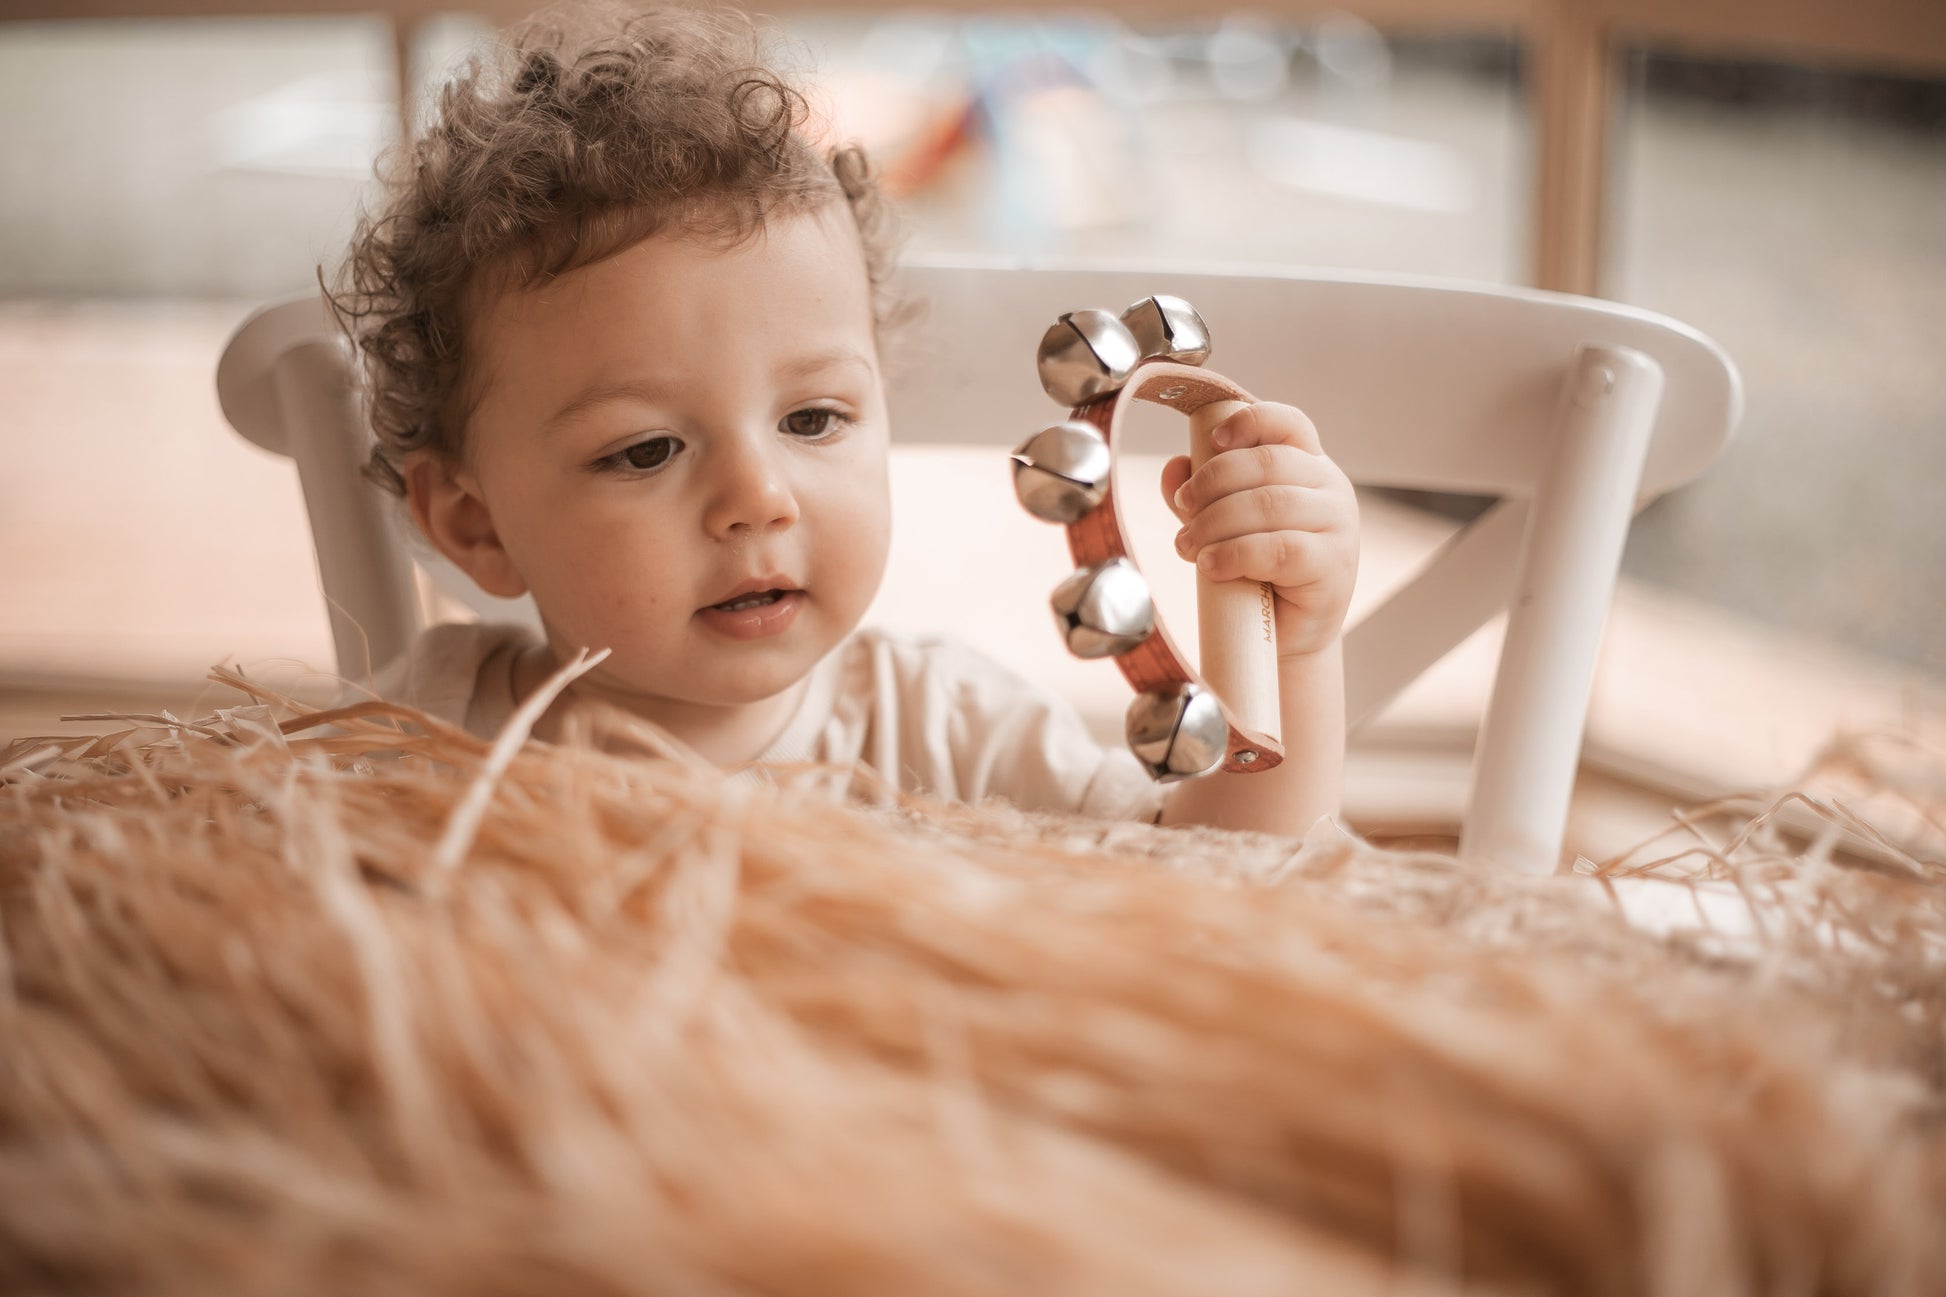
(1271, 506)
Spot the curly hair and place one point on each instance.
(572, 140)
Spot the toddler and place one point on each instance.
(619, 324)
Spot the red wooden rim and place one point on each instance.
(1097, 537)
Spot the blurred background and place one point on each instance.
(1776, 180)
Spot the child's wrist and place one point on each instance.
(1311, 652)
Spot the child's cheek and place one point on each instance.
(604, 543)
(627, 617)
(602, 567)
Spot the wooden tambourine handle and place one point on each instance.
(1238, 634)
(1236, 621)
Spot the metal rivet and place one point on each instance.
(1061, 473)
(1168, 328)
(1084, 355)
(1177, 733)
(1103, 609)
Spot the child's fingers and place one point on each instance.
(1251, 466)
(1291, 556)
(1267, 423)
(1261, 509)
(1174, 474)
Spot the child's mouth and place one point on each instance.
(756, 600)
(756, 615)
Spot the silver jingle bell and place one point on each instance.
(1084, 355)
(1103, 609)
(1061, 473)
(1168, 328)
(1177, 733)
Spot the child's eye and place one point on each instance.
(813, 422)
(642, 457)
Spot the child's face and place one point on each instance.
(682, 452)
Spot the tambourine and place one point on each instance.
(1182, 723)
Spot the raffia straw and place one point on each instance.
(670, 1033)
(472, 808)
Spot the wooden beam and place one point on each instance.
(1899, 36)
(1422, 15)
(1570, 97)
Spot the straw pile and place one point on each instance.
(280, 1016)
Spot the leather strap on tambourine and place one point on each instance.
(1179, 724)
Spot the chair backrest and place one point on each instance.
(1417, 383)
(1573, 411)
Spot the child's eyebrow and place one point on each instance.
(819, 362)
(601, 394)
(651, 393)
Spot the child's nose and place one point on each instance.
(752, 492)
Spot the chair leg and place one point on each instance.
(1530, 741)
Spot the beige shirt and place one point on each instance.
(927, 714)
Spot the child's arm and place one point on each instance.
(1271, 506)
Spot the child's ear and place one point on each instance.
(447, 505)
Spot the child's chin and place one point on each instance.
(755, 684)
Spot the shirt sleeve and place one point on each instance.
(444, 673)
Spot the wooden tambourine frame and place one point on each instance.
(1237, 625)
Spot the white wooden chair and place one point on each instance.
(1574, 412)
